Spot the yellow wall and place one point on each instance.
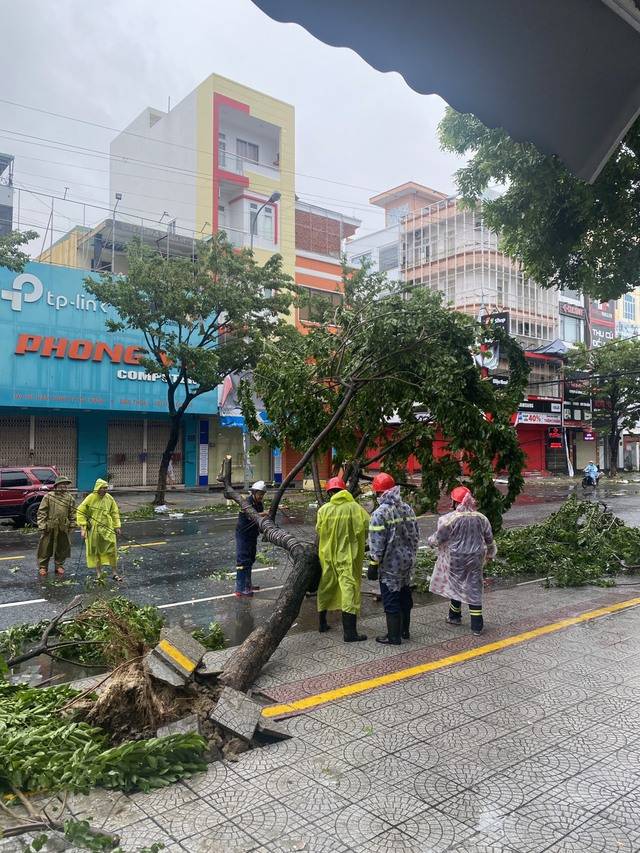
(631, 326)
(270, 110)
(65, 250)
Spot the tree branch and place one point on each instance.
(311, 449)
(43, 645)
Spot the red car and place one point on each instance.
(22, 489)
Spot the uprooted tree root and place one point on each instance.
(133, 705)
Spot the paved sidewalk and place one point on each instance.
(533, 747)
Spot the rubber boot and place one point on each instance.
(406, 622)
(394, 627)
(323, 625)
(349, 626)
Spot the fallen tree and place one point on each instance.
(386, 375)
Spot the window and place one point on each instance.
(388, 257)
(629, 307)
(45, 475)
(317, 306)
(222, 150)
(247, 151)
(264, 227)
(571, 329)
(14, 478)
(361, 260)
(395, 214)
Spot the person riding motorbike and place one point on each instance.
(591, 474)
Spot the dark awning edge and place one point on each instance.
(564, 76)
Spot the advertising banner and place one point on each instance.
(56, 352)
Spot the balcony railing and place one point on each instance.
(241, 165)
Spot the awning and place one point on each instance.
(563, 74)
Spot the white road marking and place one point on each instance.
(535, 580)
(209, 598)
(21, 557)
(20, 603)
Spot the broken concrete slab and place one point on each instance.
(213, 663)
(157, 668)
(272, 729)
(178, 650)
(236, 713)
(187, 725)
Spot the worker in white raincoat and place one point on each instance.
(464, 540)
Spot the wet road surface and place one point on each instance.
(186, 566)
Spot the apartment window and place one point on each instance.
(264, 227)
(317, 306)
(629, 307)
(222, 150)
(388, 257)
(361, 260)
(395, 214)
(247, 151)
(571, 329)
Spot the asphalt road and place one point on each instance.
(186, 566)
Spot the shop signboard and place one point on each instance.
(56, 351)
(603, 322)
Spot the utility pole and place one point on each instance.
(113, 233)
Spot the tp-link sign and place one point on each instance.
(25, 288)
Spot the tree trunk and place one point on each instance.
(614, 439)
(172, 443)
(317, 488)
(245, 663)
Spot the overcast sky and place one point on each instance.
(358, 131)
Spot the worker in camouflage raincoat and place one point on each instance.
(98, 518)
(464, 540)
(393, 546)
(56, 517)
(341, 526)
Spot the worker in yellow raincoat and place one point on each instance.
(342, 526)
(98, 518)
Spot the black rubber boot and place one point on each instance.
(406, 622)
(323, 625)
(349, 623)
(394, 627)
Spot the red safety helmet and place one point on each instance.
(382, 483)
(336, 483)
(459, 494)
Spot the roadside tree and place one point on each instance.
(610, 375)
(11, 257)
(381, 358)
(567, 233)
(201, 319)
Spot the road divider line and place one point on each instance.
(209, 598)
(21, 603)
(400, 675)
(21, 557)
(142, 545)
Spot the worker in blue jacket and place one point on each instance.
(247, 532)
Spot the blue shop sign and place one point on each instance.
(56, 352)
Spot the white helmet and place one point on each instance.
(259, 486)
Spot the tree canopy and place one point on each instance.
(11, 257)
(390, 374)
(610, 375)
(202, 319)
(566, 233)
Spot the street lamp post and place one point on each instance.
(273, 198)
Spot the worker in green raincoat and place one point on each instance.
(342, 526)
(56, 517)
(99, 522)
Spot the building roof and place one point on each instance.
(409, 188)
(328, 214)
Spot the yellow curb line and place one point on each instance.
(177, 656)
(21, 557)
(469, 654)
